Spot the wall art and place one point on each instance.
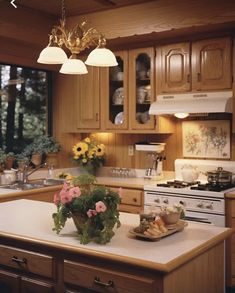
(206, 139)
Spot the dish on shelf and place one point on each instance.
(179, 226)
(143, 94)
(118, 96)
(142, 118)
(119, 119)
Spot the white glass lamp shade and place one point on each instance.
(73, 66)
(101, 57)
(52, 55)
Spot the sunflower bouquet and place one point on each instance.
(89, 154)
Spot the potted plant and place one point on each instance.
(49, 147)
(10, 158)
(89, 154)
(94, 209)
(2, 159)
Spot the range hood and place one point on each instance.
(209, 102)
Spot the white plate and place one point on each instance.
(119, 119)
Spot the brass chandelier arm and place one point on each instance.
(76, 39)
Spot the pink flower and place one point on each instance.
(75, 192)
(120, 192)
(91, 213)
(100, 207)
(56, 199)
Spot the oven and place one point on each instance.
(197, 208)
(202, 201)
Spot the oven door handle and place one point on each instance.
(195, 219)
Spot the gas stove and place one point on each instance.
(203, 202)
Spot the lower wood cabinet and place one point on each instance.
(230, 244)
(18, 267)
(132, 199)
(101, 279)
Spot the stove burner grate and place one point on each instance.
(177, 184)
(212, 187)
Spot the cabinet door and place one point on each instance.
(114, 93)
(175, 68)
(36, 286)
(141, 88)
(9, 282)
(211, 63)
(88, 100)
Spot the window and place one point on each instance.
(24, 107)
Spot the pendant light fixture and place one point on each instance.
(76, 40)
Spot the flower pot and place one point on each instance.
(79, 221)
(88, 169)
(9, 162)
(52, 159)
(36, 159)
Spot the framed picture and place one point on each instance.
(206, 139)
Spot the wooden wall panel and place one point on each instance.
(159, 16)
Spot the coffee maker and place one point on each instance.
(155, 157)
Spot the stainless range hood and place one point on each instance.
(209, 102)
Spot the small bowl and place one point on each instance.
(171, 218)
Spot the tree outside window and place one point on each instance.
(23, 106)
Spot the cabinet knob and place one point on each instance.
(97, 281)
(188, 77)
(135, 199)
(97, 116)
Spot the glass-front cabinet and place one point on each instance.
(115, 95)
(129, 91)
(141, 88)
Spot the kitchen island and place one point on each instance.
(33, 256)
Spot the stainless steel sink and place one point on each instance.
(34, 184)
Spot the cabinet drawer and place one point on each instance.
(103, 280)
(233, 208)
(27, 261)
(131, 196)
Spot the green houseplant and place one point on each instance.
(92, 208)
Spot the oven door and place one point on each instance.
(217, 220)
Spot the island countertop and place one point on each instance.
(32, 221)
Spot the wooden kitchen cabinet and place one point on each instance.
(87, 100)
(127, 92)
(132, 200)
(198, 66)
(230, 245)
(211, 64)
(101, 279)
(18, 266)
(174, 75)
(114, 93)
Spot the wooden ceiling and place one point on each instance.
(75, 7)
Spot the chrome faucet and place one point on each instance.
(26, 173)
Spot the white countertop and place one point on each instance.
(33, 221)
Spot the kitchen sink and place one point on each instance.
(34, 184)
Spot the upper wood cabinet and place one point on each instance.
(174, 73)
(211, 64)
(127, 91)
(114, 94)
(200, 66)
(88, 99)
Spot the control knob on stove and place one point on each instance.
(157, 200)
(200, 205)
(166, 201)
(183, 203)
(210, 206)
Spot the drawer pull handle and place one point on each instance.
(98, 282)
(18, 260)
